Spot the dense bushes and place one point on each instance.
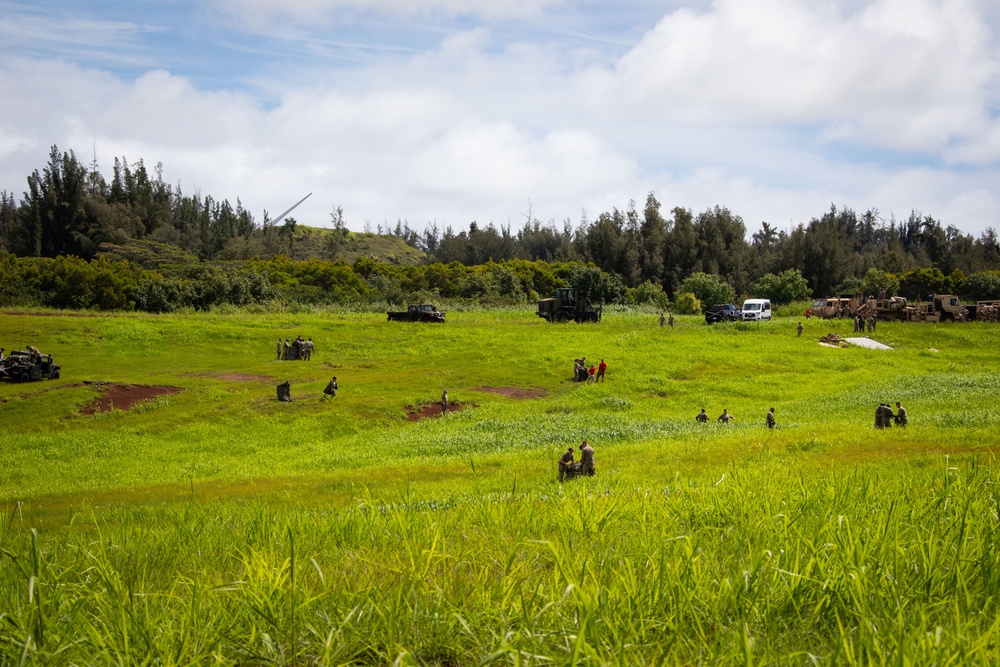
(118, 284)
(104, 284)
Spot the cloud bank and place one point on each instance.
(773, 108)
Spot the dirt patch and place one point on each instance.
(520, 393)
(124, 396)
(417, 412)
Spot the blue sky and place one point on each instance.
(451, 111)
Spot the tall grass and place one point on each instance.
(219, 526)
(891, 564)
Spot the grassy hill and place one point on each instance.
(217, 524)
(310, 244)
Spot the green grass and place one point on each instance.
(218, 525)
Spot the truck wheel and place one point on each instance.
(55, 375)
(25, 377)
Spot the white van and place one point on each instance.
(757, 309)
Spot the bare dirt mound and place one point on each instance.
(417, 412)
(520, 393)
(124, 396)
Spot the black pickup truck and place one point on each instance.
(722, 312)
(422, 313)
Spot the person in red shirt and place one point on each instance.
(600, 371)
(591, 373)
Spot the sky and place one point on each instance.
(452, 111)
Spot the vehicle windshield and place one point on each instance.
(819, 303)
(751, 306)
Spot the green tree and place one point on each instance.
(783, 288)
(687, 304)
(982, 286)
(879, 282)
(708, 288)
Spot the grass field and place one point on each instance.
(217, 525)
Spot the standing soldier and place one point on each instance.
(770, 418)
(444, 401)
(279, 349)
(587, 459)
(701, 417)
(670, 321)
(663, 320)
(725, 417)
(565, 461)
(901, 418)
(799, 328)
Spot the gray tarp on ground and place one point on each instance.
(868, 342)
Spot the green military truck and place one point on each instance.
(25, 366)
(566, 305)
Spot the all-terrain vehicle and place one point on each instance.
(421, 313)
(24, 367)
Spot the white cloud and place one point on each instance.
(748, 105)
(902, 74)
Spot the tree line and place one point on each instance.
(70, 210)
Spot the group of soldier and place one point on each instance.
(34, 356)
(860, 321)
(726, 417)
(589, 374)
(300, 349)
(569, 468)
(884, 416)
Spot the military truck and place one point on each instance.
(985, 311)
(566, 305)
(893, 308)
(845, 305)
(419, 313)
(25, 366)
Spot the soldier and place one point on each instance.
(587, 459)
(284, 349)
(444, 401)
(901, 418)
(565, 461)
(725, 417)
(331, 388)
(878, 416)
(670, 321)
(279, 349)
(701, 417)
(600, 371)
(799, 329)
(663, 320)
(285, 392)
(770, 418)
